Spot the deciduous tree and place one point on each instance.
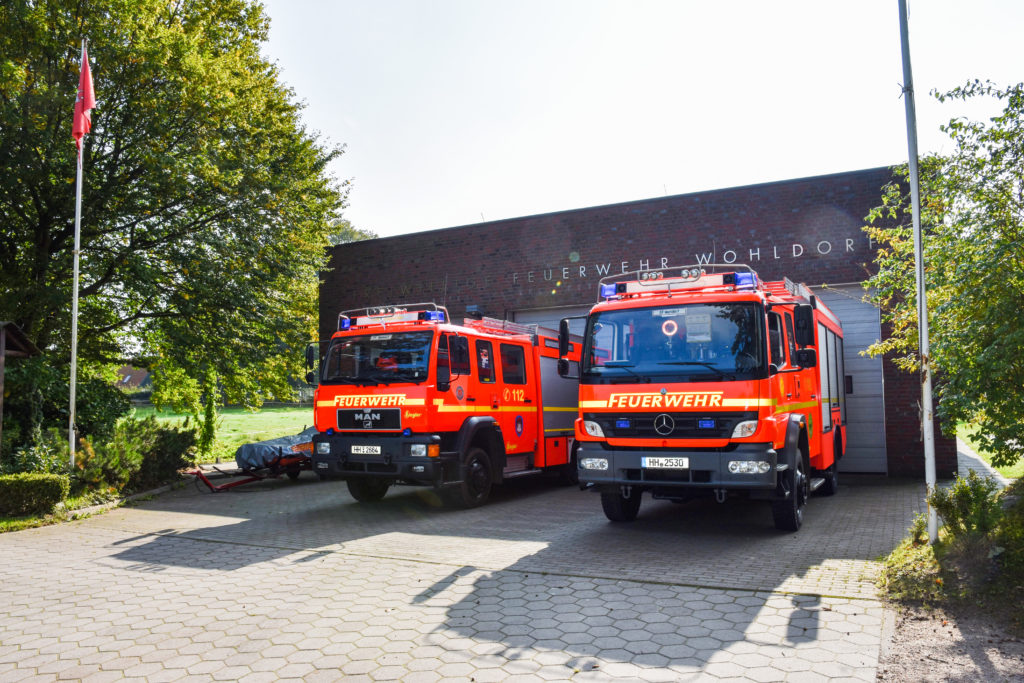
(973, 219)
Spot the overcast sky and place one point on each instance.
(458, 111)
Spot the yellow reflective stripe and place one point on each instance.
(748, 402)
(796, 406)
(571, 409)
(441, 408)
(593, 404)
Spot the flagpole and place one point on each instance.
(927, 422)
(74, 299)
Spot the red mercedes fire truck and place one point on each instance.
(706, 380)
(405, 396)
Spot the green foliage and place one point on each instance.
(913, 573)
(207, 206)
(31, 493)
(49, 455)
(37, 401)
(1009, 538)
(170, 449)
(969, 507)
(972, 214)
(140, 453)
(109, 464)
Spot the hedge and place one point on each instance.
(31, 494)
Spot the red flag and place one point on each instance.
(85, 101)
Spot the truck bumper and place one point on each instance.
(707, 469)
(394, 462)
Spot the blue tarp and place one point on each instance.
(253, 456)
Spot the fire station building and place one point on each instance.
(539, 269)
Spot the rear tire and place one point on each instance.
(618, 508)
(475, 488)
(831, 484)
(788, 514)
(367, 490)
(570, 474)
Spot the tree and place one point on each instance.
(207, 206)
(972, 213)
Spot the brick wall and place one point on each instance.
(806, 229)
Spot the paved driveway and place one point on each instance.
(295, 580)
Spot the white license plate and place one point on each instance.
(365, 450)
(666, 463)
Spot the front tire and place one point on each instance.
(367, 490)
(788, 513)
(619, 508)
(475, 488)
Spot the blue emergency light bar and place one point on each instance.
(344, 323)
(432, 316)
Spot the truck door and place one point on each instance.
(518, 401)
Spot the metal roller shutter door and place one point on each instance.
(865, 406)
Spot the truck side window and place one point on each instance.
(513, 364)
(775, 339)
(485, 361)
(790, 338)
(459, 361)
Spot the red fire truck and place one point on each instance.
(706, 380)
(407, 397)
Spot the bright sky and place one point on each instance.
(458, 111)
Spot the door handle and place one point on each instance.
(527, 400)
(470, 398)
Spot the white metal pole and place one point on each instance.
(928, 430)
(74, 310)
(74, 295)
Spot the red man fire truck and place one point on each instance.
(407, 397)
(707, 380)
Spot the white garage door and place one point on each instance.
(550, 317)
(865, 405)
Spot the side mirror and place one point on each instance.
(310, 377)
(564, 345)
(803, 319)
(444, 379)
(807, 358)
(310, 357)
(563, 367)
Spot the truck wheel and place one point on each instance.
(367, 490)
(618, 508)
(789, 513)
(475, 488)
(293, 473)
(570, 474)
(831, 484)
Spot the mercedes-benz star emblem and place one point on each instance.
(664, 424)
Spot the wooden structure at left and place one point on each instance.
(14, 343)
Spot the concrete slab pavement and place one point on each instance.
(284, 580)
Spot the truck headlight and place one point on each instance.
(594, 463)
(593, 429)
(749, 466)
(744, 429)
(323, 447)
(418, 450)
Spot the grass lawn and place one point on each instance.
(968, 433)
(238, 426)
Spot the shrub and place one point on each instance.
(969, 507)
(171, 449)
(48, 456)
(36, 396)
(109, 464)
(1010, 536)
(28, 493)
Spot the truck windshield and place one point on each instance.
(688, 343)
(386, 358)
